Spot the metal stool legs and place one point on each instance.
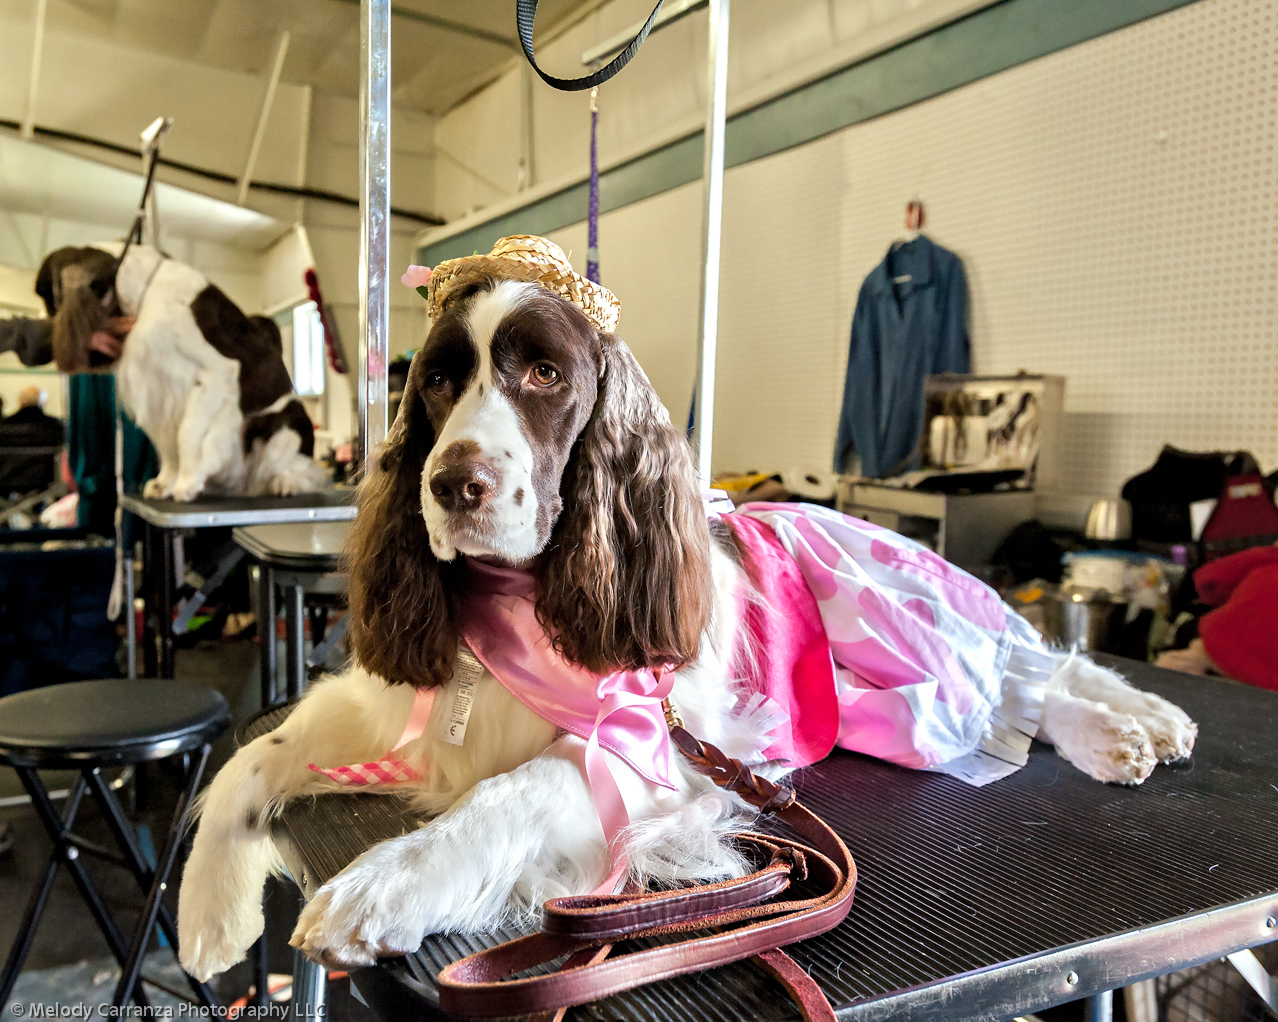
(67, 848)
(159, 883)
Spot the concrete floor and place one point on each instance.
(67, 935)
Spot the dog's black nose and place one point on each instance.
(463, 485)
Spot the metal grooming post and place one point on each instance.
(711, 227)
(374, 223)
(310, 981)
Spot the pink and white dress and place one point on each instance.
(930, 668)
(863, 639)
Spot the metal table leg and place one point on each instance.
(130, 618)
(310, 987)
(150, 593)
(295, 638)
(1099, 1008)
(267, 611)
(164, 612)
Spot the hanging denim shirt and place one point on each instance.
(910, 322)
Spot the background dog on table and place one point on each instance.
(205, 382)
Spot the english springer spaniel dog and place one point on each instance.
(533, 480)
(206, 383)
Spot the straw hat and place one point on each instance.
(528, 258)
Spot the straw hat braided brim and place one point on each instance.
(527, 258)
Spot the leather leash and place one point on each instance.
(744, 923)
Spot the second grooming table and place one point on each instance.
(299, 557)
(164, 520)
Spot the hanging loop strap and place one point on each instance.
(526, 11)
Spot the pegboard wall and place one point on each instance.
(1116, 207)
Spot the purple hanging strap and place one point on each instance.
(592, 214)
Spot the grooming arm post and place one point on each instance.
(711, 225)
(374, 209)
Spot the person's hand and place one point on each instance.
(110, 342)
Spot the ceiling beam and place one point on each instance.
(33, 83)
(259, 131)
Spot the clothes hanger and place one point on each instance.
(914, 217)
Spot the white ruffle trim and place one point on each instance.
(1005, 742)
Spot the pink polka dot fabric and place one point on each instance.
(921, 649)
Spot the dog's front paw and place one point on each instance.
(212, 934)
(1170, 729)
(187, 488)
(1117, 750)
(158, 488)
(358, 916)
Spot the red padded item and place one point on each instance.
(1244, 509)
(1241, 634)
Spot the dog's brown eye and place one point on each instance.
(545, 375)
(437, 383)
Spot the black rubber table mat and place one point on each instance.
(1037, 889)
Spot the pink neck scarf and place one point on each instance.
(619, 712)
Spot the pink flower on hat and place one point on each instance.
(415, 276)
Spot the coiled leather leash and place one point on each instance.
(745, 922)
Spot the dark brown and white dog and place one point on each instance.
(206, 383)
(527, 437)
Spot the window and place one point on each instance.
(308, 350)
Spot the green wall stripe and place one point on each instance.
(988, 41)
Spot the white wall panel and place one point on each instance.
(1138, 264)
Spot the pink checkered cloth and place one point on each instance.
(383, 771)
(388, 769)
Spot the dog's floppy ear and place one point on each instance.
(402, 607)
(76, 287)
(625, 581)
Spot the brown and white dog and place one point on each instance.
(206, 383)
(528, 437)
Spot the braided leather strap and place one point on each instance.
(745, 922)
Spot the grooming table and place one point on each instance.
(986, 903)
(299, 557)
(164, 520)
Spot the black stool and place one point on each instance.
(87, 726)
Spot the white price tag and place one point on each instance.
(460, 694)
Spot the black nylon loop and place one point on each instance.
(526, 11)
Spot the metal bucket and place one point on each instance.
(1095, 622)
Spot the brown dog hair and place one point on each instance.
(79, 316)
(402, 611)
(624, 583)
(73, 282)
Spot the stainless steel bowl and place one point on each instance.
(1092, 620)
(1109, 519)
